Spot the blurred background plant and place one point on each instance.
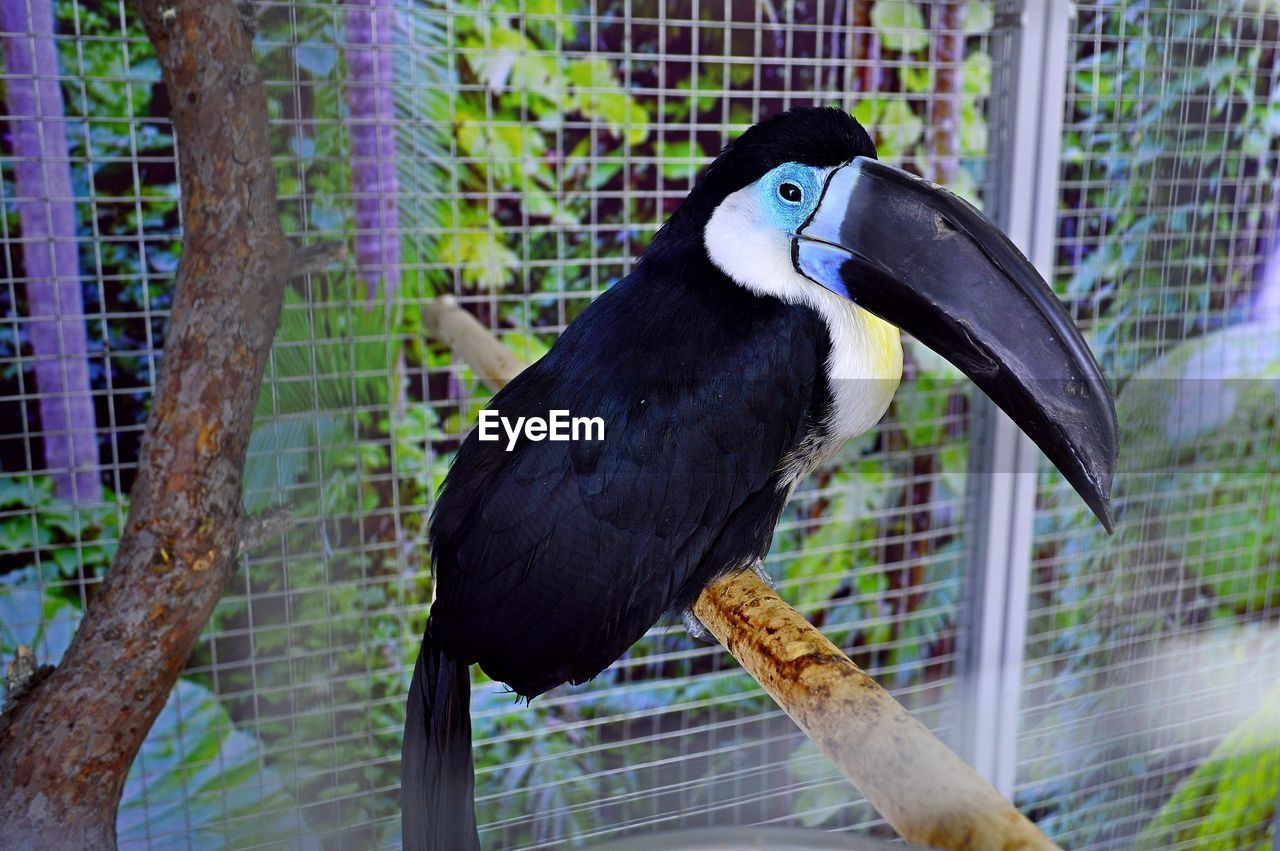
(518, 155)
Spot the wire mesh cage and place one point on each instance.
(518, 156)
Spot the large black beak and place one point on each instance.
(925, 260)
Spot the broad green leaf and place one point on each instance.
(917, 79)
(481, 256)
(598, 94)
(200, 778)
(1230, 800)
(893, 122)
(979, 16)
(973, 130)
(681, 158)
(901, 25)
(977, 74)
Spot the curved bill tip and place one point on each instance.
(928, 262)
(1099, 502)
(1104, 515)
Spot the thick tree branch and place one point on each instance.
(926, 792)
(66, 746)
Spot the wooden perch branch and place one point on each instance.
(66, 745)
(929, 795)
(471, 342)
(926, 792)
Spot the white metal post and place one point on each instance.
(1027, 130)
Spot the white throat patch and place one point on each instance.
(865, 364)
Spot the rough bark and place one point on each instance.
(944, 105)
(50, 256)
(371, 119)
(926, 792)
(66, 746)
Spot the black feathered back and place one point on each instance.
(554, 558)
(551, 560)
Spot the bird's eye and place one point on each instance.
(790, 193)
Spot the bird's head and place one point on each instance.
(798, 207)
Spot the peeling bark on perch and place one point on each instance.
(927, 793)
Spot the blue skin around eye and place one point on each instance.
(789, 216)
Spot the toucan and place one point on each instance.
(756, 335)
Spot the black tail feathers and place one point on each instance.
(437, 778)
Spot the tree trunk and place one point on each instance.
(945, 105)
(371, 119)
(50, 259)
(66, 746)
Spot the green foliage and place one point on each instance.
(1161, 176)
(1169, 159)
(196, 775)
(897, 114)
(36, 615)
(116, 152)
(200, 781)
(322, 444)
(1204, 418)
(507, 128)
(332, 362)
(901, 25)
(51, 540)
(538, 164)
(1230, 800)
(1196, 540)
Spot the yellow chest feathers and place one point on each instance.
(863, 368)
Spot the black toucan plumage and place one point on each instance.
(724, 367)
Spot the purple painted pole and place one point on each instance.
(47, 219)
(371, 104)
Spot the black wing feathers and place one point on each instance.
(554, 558)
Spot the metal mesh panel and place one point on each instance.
(1150, 689)
(518, 156)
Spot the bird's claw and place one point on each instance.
(697, 630)
(757, 567)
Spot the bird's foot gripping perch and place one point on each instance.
(695, 627)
